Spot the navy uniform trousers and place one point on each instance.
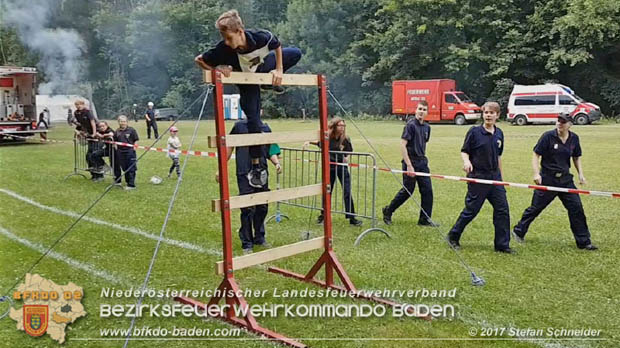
(425, 186)
(252, 229)
(124, 161)
(571, 201)
(476, 195)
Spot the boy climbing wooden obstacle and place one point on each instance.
(256, 51)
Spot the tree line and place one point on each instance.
(143, 50)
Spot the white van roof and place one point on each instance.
(546, 88)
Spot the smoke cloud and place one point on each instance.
(60, 49)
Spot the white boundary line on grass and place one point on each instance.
(177, 243)
(88, 268)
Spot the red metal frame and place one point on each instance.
(228, 289)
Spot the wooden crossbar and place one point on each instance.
(237, 140)
(273, 254)
(241, 78)
(268, 197)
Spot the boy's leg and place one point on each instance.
(250, 104)
(290, 57)
(426, 192)
(476, 194)
(576, 216)
(258, 221)
(148, 130)
(177, 165)
(246, 216)
(501, 217)
(403, 194)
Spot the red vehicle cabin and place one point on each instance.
(445, 103)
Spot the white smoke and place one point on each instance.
(60, 49)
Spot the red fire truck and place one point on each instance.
(445, 103)
(18, 115)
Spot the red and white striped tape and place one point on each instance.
(491, 182)
(354, 165)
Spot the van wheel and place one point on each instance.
(459, 120)
(520, 120)
(581, 119)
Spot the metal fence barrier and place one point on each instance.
(89, 155)
(302, 167)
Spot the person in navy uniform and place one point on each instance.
(249, 51)
(125, 155)
(554, 151)
(413, 150)
(252, 231)
(86, 126)
(151, 122)
(481, 154)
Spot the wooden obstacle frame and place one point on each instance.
(228, 289)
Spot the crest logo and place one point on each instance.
(36, 318)
(555, 146)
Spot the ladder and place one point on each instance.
(228, 288)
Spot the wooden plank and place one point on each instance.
(242, 78)
(268, 197)
(237, 140)
(273, 254)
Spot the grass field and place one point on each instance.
(549, 283)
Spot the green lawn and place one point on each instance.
(549, 283)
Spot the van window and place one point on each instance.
(535, 100)
(463, 97)
(566, 100)
(450, 98)
(525, 101)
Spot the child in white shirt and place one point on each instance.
(174, 143)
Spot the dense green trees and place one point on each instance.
(140, 50)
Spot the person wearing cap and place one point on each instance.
(174, 144)
(252, 231)
(482, 159)
(553, 152)
(151, 122)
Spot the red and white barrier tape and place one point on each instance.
(354, 165)
(485, 182)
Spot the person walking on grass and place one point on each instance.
(482, 159)
(551, 165)
(413, 151)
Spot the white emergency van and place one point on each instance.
(543, 103)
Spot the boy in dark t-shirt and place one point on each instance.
(249, 51)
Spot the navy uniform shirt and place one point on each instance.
(242, 154)
(127, 135)
(484, 148)
(555, 154)
(252, 56)
(84, 117)
(151, 113)
(417, 135)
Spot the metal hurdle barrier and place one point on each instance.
(301, 167)
(84, 148)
